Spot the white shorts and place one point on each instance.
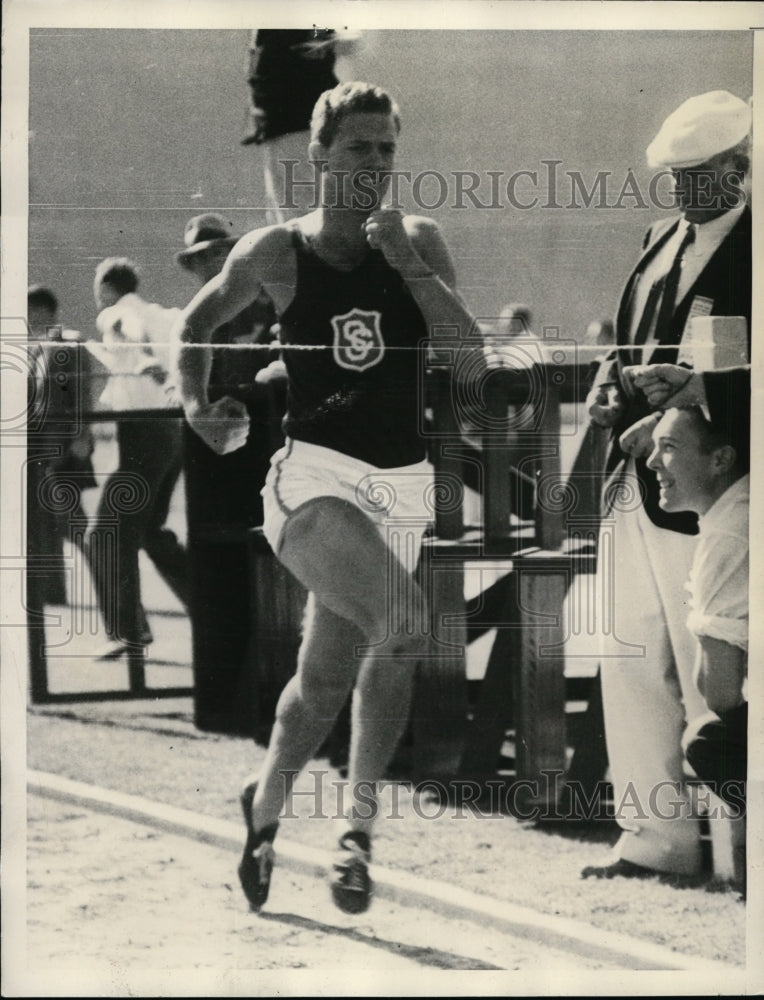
(400, 501)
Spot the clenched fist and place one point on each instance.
(663, 384)
(385, 231)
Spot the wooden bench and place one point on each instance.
(523, 687)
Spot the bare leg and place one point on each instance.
(326, 671)
(339, 556)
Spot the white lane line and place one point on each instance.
(407, 890)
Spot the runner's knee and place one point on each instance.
(336, 552)
(328, 661)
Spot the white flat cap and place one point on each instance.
(699, 129)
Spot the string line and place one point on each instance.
(276, 347)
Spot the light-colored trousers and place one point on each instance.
(647, 658)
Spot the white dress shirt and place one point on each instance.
(136, 336)
(708, 238)
(718, 582)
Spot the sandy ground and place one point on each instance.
(156, 752)
(108, 893)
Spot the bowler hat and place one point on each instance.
(204, 232)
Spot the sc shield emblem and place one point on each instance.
(358, 342)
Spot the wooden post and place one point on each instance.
(494, 710)
(439, 704)
(524, 683)
(38, 664)
(497, 499)
(548, 516)
(540, 682)
(448, 466)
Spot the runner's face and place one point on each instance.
(360, 158)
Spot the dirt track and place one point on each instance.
(107, 897)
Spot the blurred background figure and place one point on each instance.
(287, 72)
(510, 342)
(515, 320)
(223, 500)
(600, 332)
(135, 501)
(515, 324)
(59, 447)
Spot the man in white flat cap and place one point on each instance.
(697, 264)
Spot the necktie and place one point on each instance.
(668, 301)
(662, 297)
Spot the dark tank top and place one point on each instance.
(361, 395)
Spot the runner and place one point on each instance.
(357, 288)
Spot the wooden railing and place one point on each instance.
(539, 525)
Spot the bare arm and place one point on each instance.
(224, 425)
(415, 247)
(222, 298)
(720, 670)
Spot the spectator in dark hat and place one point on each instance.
(208, 240)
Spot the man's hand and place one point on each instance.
(385, 231)
(667, 384)
(222, 425)
(637, 441)
(605, 405)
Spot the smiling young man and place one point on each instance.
(357, 288)
(703, 468)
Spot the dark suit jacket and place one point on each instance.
(726, 281)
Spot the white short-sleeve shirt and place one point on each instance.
(718, 582)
